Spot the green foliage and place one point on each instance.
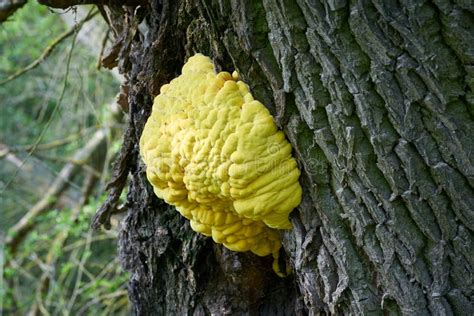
(84, 269)
(28, 102)
(32, 97)
(22, 43)
(80, 266)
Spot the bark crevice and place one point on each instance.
(375, 99)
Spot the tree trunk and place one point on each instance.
(376, 99)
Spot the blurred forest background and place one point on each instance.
(60, 128)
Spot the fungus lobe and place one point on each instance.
(215, 153)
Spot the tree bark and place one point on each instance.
(377, 101)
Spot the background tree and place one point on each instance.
(58, 134)
(377, 101)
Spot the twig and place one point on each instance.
(102, 49)
(55, 110)
(81, 163)
(8, 155)
(48, 50)
(98, 299)
(18, 232)
(116, 185)
(26, 273)
(101, 275)
(81, 242)
(81, 270)
(54, 143)
(59, 241)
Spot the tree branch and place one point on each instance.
(48, 50)
(52, 144)
(58, 242)
(18, 232)
(81, 163)
(116, 185)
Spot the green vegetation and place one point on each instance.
(85, 276)
(60, 266)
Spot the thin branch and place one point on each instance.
(8, 154)
(115, 186)
(81, 270)
(53, 114)
(108, 296)
(18, 232)
(81, 163)
(102, 49)
(59, 242)
(54, 143)
(51, 145)
(106, 236)
(48, 50)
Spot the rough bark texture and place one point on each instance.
(377, 101)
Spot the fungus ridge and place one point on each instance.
(215, 153)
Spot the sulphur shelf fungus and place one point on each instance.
(215, 153)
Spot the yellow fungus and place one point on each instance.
(216, 154)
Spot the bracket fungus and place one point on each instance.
(215, 153)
